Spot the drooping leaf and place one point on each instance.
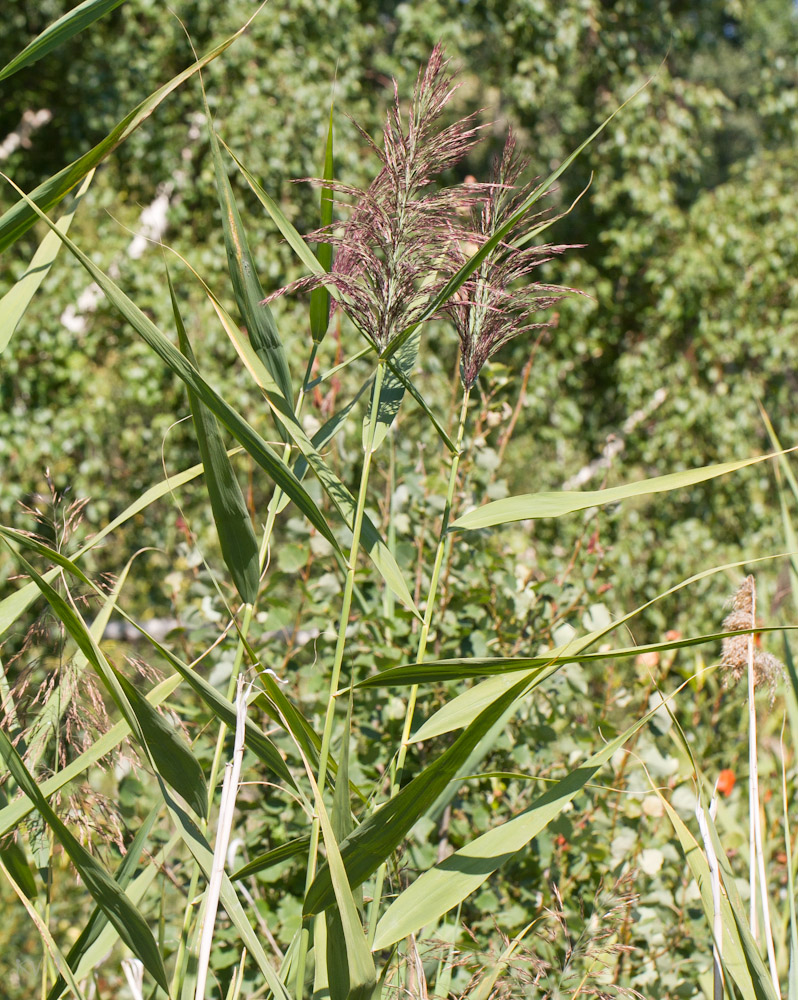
(447, 884)
(60, 31)
(320, 297)
(20, 217)
(230, 515)
(534, 505)
(293, 849)
(17, 299)
(252, 442)
(258, 318)
(98, 920)
(129, 923)
(381, 833)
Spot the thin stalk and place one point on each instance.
(421, 651)
(340, 646)
(231, 687)
(443, 543)
(755, 819)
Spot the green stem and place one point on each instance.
(340, 646)
(444, 540)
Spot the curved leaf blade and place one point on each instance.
(243, 432)
(20, 217)
(380, 834)
(60, 31)
(446, 885)
(17, 299)
(534, 505)
(230, 515)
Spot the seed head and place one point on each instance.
(497, 303)
(768, 669)
(394, 252)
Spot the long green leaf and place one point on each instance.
(231, 517)
(734, 960)
(258, 318)
(343, 500)
(461, 668)
(466, 706)
(167, 750)
(533, 505)
(60, 31)
(447, 884)
(246, 435)
(18, 219)
(361, 976)
(127, 920)
(14, 303)
(293, 849)
(379, 835)
(320, 297)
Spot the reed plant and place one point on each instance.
(388, 268)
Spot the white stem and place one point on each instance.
(714, 877)
(755, 819)
(232, 775)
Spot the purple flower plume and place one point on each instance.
(400, 242)
(496, 304)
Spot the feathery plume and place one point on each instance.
(768, 669)
(494, 306)
(394, 252)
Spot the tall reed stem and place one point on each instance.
(421, 651)
(338, 659)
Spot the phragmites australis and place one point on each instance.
(768, 669)
(394, 252)
(498, 304)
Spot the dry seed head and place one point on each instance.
(768, 669)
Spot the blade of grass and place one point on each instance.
(231, 517)
(447, 884)
(44, 933)
(253, 443)
(320, 297)
(535, 505)
(20, 217)
(382, 832)
(60, 31)
(15, 302)
(98, 921)
(247, 289)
